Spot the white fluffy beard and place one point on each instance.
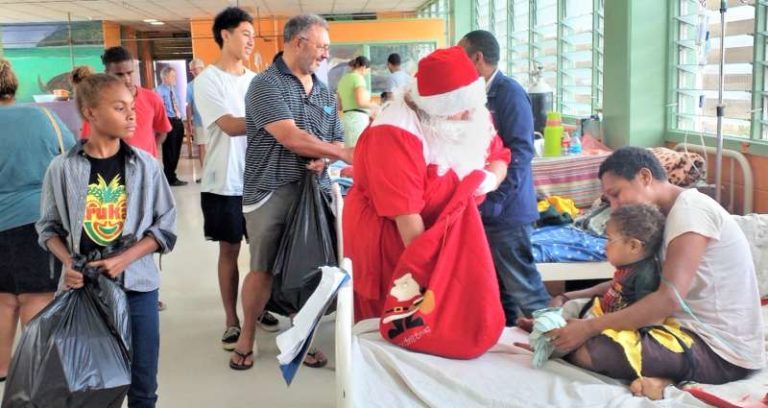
(460, 145)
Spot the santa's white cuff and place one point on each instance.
(488, 184)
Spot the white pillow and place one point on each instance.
(765, 322)
(755, 227)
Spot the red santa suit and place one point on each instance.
(440, 294)
(392, 177)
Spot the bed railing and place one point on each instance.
(344, 323)
(736, 157)
(344, 314)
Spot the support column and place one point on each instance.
(111, 32)
(460, 20)
(636, 67)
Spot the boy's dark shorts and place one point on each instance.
(223, 218)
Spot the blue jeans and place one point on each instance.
(145, 327)
(519, 280)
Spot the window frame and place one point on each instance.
(598, 27)
(758, 118)
(438, 9)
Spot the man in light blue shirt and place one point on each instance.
(175, 113)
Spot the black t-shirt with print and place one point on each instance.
(105, 205)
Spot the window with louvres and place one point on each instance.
(564, 36)
(695, 96)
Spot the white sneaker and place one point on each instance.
(269, 322)
(230, 337)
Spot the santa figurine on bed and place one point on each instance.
(411, 225)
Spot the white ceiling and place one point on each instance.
(177, 11)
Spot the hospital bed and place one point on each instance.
(371, 372)
(567, 271)
(374, 373)
(574, 177)
(566, 253)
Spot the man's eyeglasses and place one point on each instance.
(325, 48)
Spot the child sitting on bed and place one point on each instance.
(634, 235)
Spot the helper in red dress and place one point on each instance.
(408, 165)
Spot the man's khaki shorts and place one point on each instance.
(266, 224)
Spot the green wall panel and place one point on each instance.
(636, 55)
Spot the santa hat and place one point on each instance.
(447, 83)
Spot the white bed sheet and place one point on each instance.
(567, 271)
(387, 376)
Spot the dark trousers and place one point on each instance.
(172, 149)
(519, 281)
(145, 327)
(699, 363)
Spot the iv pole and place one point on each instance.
(720, 106)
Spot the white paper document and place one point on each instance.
(294, 341)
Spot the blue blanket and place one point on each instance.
(566, 244)
(334, 171)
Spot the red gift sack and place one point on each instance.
(444, 296)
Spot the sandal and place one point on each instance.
(317, 355)
(241, 366)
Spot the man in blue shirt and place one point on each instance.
(510, 211)
(175, 112)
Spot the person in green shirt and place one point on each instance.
(355, 100)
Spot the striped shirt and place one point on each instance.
(274, 95)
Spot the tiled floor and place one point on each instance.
(193, 367)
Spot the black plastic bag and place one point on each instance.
(76, 351)
(308, 243)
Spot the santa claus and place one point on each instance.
(409, 165)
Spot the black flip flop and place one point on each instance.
(243, 366)
(318, 362)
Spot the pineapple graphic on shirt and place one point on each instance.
(105, 210)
